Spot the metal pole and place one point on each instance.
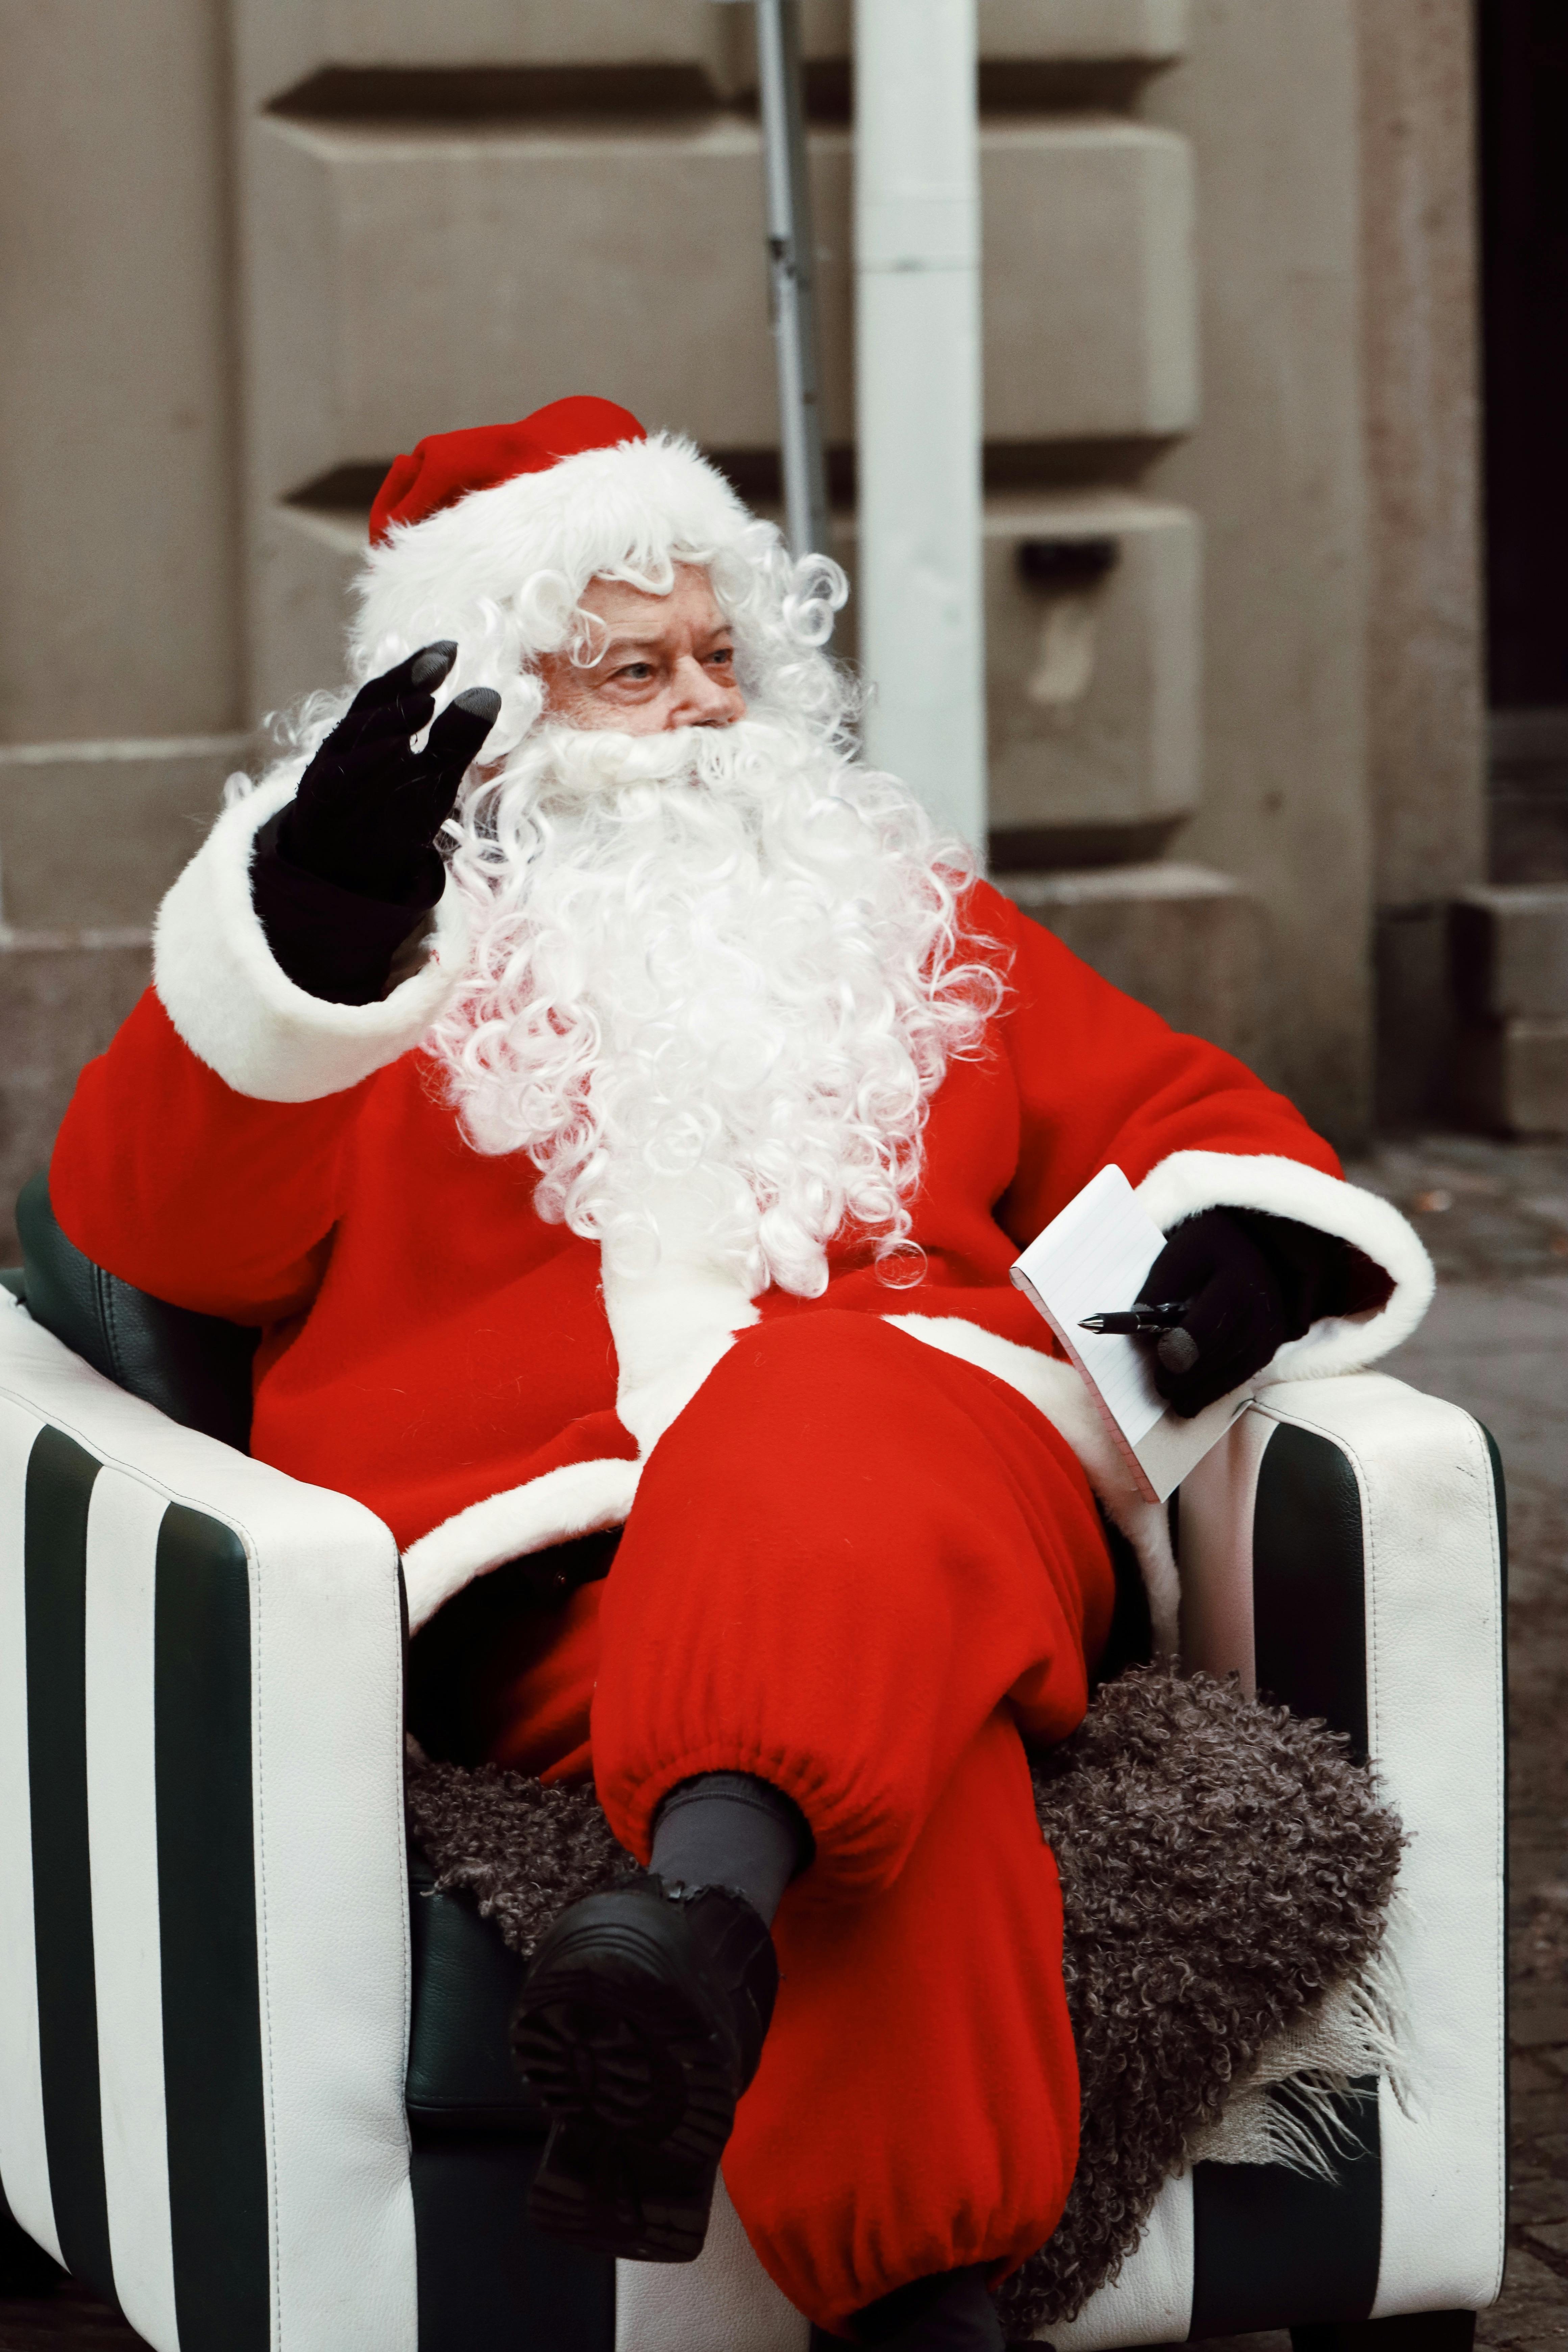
(790, 269)
(919, 423)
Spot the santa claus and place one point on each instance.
(620, 1108)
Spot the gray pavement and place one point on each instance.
(1496, 1341)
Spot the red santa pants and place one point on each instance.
(860, 1567)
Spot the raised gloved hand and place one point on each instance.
(350, 868)
(1237, 1310)
(369, 807)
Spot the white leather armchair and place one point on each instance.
(228, 2092)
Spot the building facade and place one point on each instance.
(1233, 610)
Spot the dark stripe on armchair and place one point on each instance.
(206, 1896)
(60, 1478)
(1267, 2240)
(487, 2277)
(1309, 1582)
(25, 2268)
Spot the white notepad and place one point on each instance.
(1091, 1260)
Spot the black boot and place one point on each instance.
(639, 2024)
(953, 2313)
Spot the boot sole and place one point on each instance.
(641, 2097)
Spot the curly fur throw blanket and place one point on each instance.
(1227, 1874)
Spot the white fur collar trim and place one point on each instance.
(236, 1011)
(671, 1328)
(1057, 1392)
(671, 1325)
(578, 1499)
(1191, 1181)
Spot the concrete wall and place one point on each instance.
(1425, 652)
(120, 639)
(116, 417)
(1267, 94)
(1228, 346)
(1335, 470)
(1425, 620)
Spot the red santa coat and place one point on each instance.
(860, 1567)
(432, 1347)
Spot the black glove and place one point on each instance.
(369, 808)
(1249, 1282)
(347, 871)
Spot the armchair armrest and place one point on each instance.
(204, 1948)
(194, 1368)
(1341, 1549)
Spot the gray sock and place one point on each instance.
(729, 1829)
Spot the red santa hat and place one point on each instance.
(445, 466)
(468, 523)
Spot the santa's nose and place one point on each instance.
(701, 699)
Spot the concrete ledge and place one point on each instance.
(1512, 1077)
(1183, 938)
(95, 832)
(63, 994)
(1509, 949)
(278, 46)
(399, 275)
(1152, 30)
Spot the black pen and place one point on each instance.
(1154, 1320)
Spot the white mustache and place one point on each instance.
(565, 765)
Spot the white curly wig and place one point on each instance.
(726, 959)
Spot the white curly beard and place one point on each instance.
(717, 965)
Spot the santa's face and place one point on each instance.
(660, 662)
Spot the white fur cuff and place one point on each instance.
(1189, 1181)
(235, 1008)
(576, 1498)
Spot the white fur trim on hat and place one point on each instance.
(241, 1015)
(1189, 1181)
(600, 509)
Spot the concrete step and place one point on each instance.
(1183, 938)
(93, 834)
(1509, 944)
(1511, 1078)
(1508, 956)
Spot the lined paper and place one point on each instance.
(1092, 1259)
